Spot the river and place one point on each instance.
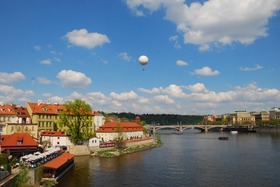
(190, 159)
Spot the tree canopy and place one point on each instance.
(75, 119)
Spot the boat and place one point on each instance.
(57, 167)
(223, 138)
(233, 132)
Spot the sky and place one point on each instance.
(205, 57)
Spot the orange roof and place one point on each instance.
(7, 110)
(53, 133)
(59, 161)
(45, 108)
(125, 126)
(12, 140)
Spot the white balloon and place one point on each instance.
(143, 60)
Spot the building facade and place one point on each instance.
(112, 131)
(241, 117)
(274, 113)
(55, 138)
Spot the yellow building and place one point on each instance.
(241, 117)
(46, 115)
(12, 128)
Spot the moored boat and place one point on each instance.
(57, 167)
(223, 138)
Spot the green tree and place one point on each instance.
(75, 119)
(23, 177)
(120, 138)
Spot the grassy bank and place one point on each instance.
(117, 152)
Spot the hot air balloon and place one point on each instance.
(143, 60)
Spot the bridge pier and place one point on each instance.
(206, 128)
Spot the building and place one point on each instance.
(112, 131)
(241, 117)
(274, 113)
(18, 144)
(31, 129)
(55, 138)
(260, 116)
(99, 120)
(16, 119)
(45, 115)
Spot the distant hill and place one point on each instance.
(162, 119)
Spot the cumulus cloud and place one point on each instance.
(124, 96)
(257, 67)
(178, 99)
(7, 78)
(74, 80)
(181, 63)
(124, 56)
(164, 99)
(9, 94)
(214, 23)
(83, 38)
(206, 71)
(197, 88)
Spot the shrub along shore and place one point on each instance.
(131, 149)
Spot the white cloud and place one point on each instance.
(83, 38)
(184, 99)
(7, 78)
(74, 80)
(124, 56)
(197, 88)
(46, 62)
(206, 71)
(43, 80)
(164, 99)
(181, 63)
(124, 96)
(257, 67)
(216, 22)
(175, 39)
(9, 94)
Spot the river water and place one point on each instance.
(190, 159)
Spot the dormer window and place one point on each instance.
(19, 140)
(45, 109)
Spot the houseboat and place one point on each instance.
(57, 167)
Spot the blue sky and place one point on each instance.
(205, 57)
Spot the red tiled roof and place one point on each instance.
(45, 108)
(21, 111)
(125, 127)
(7, 110)
(53, 133)
(59, 161)
(12, 140)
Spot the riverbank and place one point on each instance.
(127, 150)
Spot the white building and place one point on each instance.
(274, 113)
(111, 131)
(94, 142)
(99, 120)
(56, 138)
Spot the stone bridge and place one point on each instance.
(181, 128)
